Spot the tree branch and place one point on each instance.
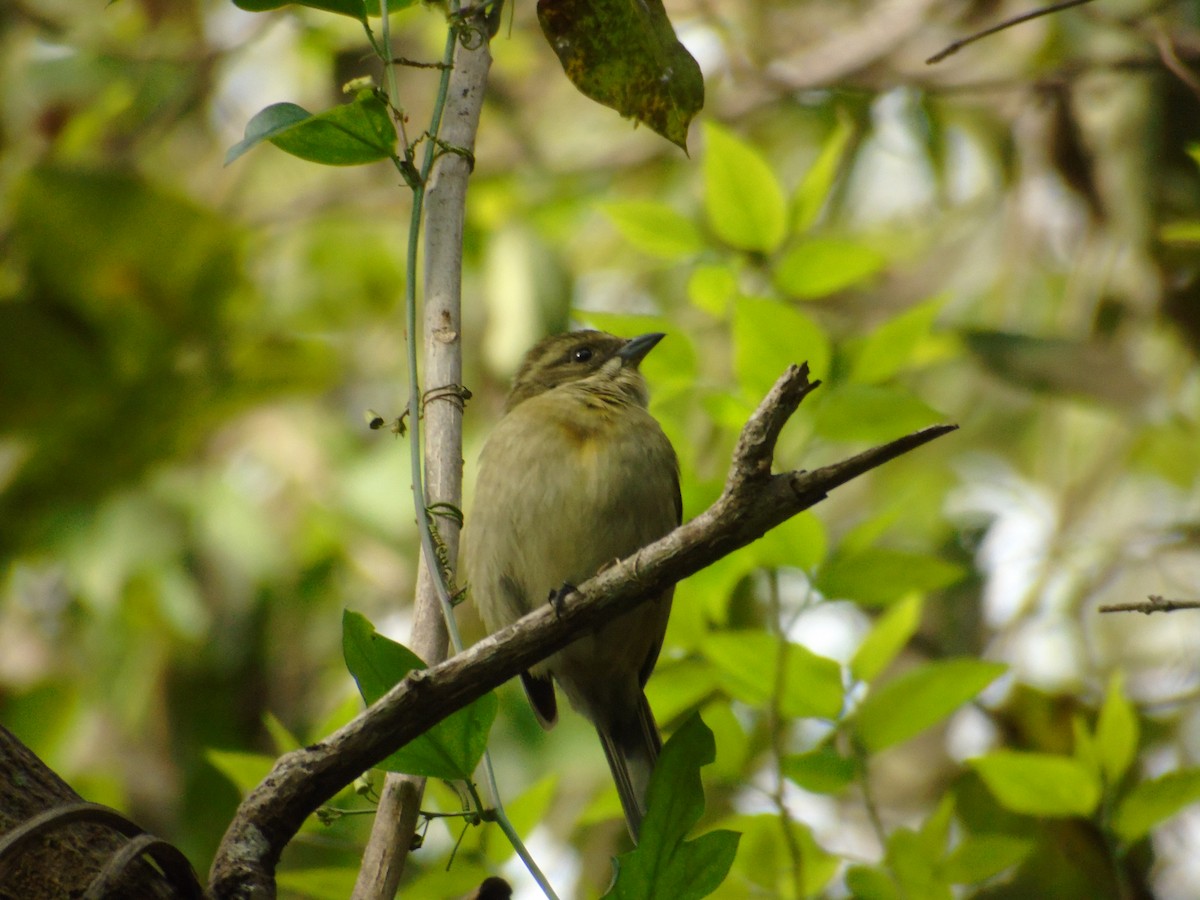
(753, 502)
(955, 46)
(1152, 604)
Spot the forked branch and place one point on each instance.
(754, 501)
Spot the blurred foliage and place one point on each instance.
(910, 691)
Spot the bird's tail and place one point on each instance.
(631, 745)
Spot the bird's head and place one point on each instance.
(598, 360)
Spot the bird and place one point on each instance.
(576, 475)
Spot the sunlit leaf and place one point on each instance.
(678, 686)
(770, 859)
(1116, 731)
(868, 412)
(819, 267)
(814, 188)
(822, 771)
(745, 204)
(879, 575)
(769, 336)
(1039, 784)
(979, 857)
(655, 228)
(890, 348)
(712, 289)
(1185, 233)
(809, 685)
(887, 638)
(626, 56)
(916, 866)
(871, 883)
(920, 698)
(1153, 802)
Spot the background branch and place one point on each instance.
(1152, 604)
(753, 502)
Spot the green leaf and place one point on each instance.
(745, 203)
(1116, 731)
(768, 337)
(712, 288)
(245, 770)
(664, 864)
(1185, 232)
(680, 685)
(818, 180)
(319, 882)
(1039, 784)
(1152, 802)
(920, 698)
(766, 864)
(449, 750)
(281, 738)
(1083, 747)
(979, 857)
(887, 638)
(867, 412)
(626, 57)
(822, 266)
(935, 830)
(352, 134)
(891, 346)
(879, 575)
(655, 228)
(810, 685)
(916, 866)
(822, 771)
(799, 543)
(871, 883)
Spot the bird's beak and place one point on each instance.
(635, 349)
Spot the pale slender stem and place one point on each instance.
(405, 794)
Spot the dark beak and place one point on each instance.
(635, 349)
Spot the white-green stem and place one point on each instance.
(443, 256)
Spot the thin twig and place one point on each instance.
(1154, 603)
(1170, 58)
(955, 46)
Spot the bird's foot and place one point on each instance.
(558, 597)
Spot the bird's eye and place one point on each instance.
(581, 354)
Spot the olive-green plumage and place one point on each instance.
(575, 476)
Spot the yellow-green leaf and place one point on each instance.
(1039, 784)
(745, 204)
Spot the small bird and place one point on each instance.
(577, 475)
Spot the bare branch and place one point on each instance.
(955, 46)
(1154, 603)
(752, 503)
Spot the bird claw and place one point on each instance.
(558, 597)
